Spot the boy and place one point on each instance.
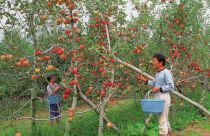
(162, 84)
(52, 90)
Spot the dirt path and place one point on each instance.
(196, 129)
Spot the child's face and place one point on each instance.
(53, 79)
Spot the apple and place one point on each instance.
(67, 91)
(109, 125)
(67, 32)
(37, 70)
(71, 6)
(101, 70)
(65, 96)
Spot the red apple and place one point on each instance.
(67, 91)
(67, 32)
(65, 96)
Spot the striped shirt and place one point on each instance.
(51, 88)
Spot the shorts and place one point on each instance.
(54, 110)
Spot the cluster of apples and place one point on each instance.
(6, 57)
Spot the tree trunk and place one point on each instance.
(102, 106)
(101, 121)
(33, 111)
(92, 105)
(33, 91)
(73, 106)
(146, 123)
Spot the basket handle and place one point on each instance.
(148, 94)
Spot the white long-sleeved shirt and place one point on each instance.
(164, 80)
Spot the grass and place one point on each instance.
(126, 115)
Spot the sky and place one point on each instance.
(130, 12)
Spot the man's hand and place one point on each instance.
(155, 89)
(140, 77)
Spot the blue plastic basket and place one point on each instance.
(154, 106)
(53, 99)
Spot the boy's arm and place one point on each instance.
(150, 82)
(147, 81)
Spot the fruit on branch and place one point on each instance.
(71, 6)
(101, 70)
(50, 67)
(67, 31)
(75, 14)
(74, 71)
(37, 70)
(136, 51)
(49, 3)
(18, 64)
(46, 58)
(34, 77)
(77, 39)
(39, 59)
(63, 57)
(68, 54)
(81, 47)
(73, 59)
(60, 52)
(65, 96)
(62, 11)
(3, 57)
(38, 53)
(6, 57)
(76, 20)
(24, 62)
(74, 51)
(67, 2)
(69, 18)
(65, 21)
(67, 91)
(66, 74)
(71, 83)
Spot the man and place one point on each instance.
(162, 85)
(52, 90)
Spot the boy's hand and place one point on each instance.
(155, 89)
(140, 77)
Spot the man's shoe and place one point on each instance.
(170, 133)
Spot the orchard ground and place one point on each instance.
(125, 113)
